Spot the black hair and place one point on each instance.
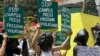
(1, 36)
(11, 47)
(81, 37)
(99, 34)
(45, 41)
(35, 20)
(97, 26)
(1, 39)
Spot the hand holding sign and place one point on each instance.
(13, 20)
(5, 36)
(69, 33)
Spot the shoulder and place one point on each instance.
(49, 53)
(76, 47)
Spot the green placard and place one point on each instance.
(60, 38)
(47, 14)
(66, 19)
(13, 20)
(65, 26)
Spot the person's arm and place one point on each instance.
(36, 35)
(64, 44)
(34, 40)
(2, 49)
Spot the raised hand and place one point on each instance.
(69, 33)
(5, 36)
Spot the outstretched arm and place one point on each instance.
(35, 37)
(64, 44)
(2, 49)
(34, 40)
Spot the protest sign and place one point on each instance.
(65, 19)
(48, 14)
(65, 26)
(13, 20)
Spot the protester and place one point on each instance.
(44, 46)
(3, 39)
(97, 44)
(96, 30)
(22, 46)
(81, 40)
(97, 2)
(11, 47)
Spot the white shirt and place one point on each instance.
(20, 43)
(46, 53)
(19, 46)
(96, 46)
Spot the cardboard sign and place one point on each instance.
(13, 20)
(47, 14)
(88, 51)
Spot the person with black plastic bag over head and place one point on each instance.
(42, 43)
(81, 40)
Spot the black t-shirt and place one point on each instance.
(11, 47)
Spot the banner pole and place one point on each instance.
(84, 6)
(16, 3)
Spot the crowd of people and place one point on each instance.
(42, 43)
(12, 46)
(82, 38)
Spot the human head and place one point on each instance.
(97, 26)
(81, 37)
(98, 40)
(45, 41)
